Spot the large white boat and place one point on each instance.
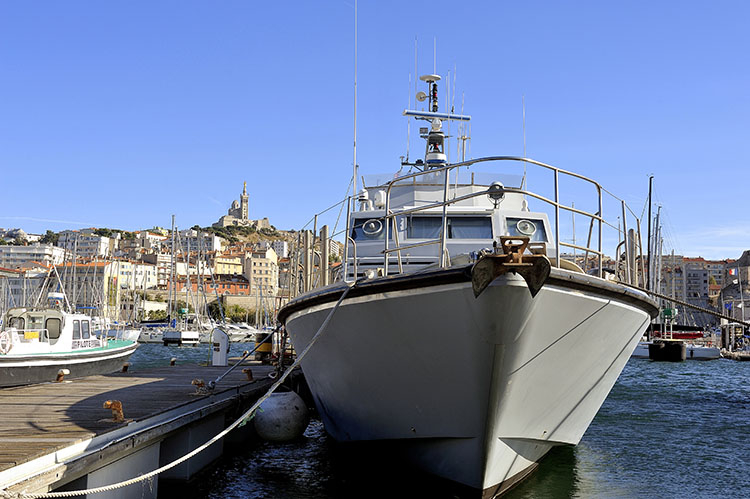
(458, 335)
(36, 343)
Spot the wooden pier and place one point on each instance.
(58, 436)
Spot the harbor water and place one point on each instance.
(666, 430)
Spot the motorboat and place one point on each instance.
(458, 335)
(37, 342)
(180, 337)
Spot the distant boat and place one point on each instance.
(697, 345)
(180, 337)
(37, 342)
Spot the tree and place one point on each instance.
(157, 314)
(49, 237)
(712, 280)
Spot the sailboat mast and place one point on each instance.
(171, 276)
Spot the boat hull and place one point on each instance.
(17, 370)
(475, 390)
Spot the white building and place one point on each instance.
(12, 257)
(86, 244)
(190, 238)
(261, 269)
(281, 248)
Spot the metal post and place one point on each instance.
(601, 217)
(306, 261)
(324, 246)
(557, 219)
(312, 251)
(443, 233)
(648, 280)
(628, 275)
(346, 241)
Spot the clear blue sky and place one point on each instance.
(119, 114)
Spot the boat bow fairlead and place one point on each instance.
(509, 257)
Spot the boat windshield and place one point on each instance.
(459, 227)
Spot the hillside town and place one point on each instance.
(245, 263)
(133, 276)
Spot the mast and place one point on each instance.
(171, 276)
(650, 263)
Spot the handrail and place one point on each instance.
(597, 217)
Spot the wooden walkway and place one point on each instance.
(38, 420)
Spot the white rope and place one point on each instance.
(239, 422)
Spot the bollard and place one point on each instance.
(116, 406)
(61, 375)
(200, 387)
(172, 361)
(249, 373)
(125, 367)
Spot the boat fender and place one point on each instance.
(6, 342)
(282, 417)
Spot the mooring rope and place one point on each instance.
(686, 304)
(242, 420)
(212, 384)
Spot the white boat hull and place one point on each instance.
(692, 352)
(475, 390)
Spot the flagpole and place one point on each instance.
(742, 299)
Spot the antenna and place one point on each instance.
(434, 56)
(523, 119)
(415, 69)
(408, 122)
(354, 186)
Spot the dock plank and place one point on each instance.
(40, 419)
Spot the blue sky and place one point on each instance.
(122, 114)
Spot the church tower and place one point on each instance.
(244, 202)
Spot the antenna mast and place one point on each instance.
(354, 185)
(523, 119)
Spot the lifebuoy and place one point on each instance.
(6, 342)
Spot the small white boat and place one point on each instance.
(180, 337)
(702, 352)
(150, 335)
(641, 350)
(37, 342)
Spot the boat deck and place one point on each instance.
(40, 420)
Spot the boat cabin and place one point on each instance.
(43, 330)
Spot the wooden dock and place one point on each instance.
(58, 436)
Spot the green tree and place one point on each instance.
(49, 237)
(157, 315)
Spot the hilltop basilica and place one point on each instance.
(237, 214)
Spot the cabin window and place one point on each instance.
(36, 323)
(53, 328)
(85, 334)
(470, 227)
(368, 229)
(458, 227)
(17, 322)
(424, 227)
(76, 330)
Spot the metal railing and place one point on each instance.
(631, 243)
